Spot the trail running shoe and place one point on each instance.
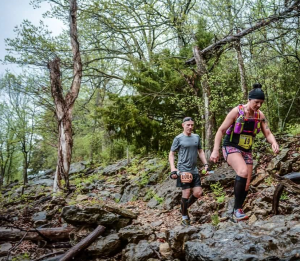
(185, 222)
(240, 215)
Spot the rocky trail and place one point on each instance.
(132, 211)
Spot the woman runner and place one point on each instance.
(240, 127)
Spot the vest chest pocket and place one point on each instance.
(245, 141)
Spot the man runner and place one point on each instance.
(189, 148)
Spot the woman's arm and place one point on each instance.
(268, 134)
(230, 119)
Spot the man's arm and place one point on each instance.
(202, 158)
(172, 161)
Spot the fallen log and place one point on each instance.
(287, 184)
(83, 244)
(51, 234)
(276, 197)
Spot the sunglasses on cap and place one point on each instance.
(187, 119)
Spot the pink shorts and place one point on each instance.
(247, 156)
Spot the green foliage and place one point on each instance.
(269, 180)
(160, 200)
(284, 196)
(293, 129)
(149, 195)
(217, 189)
(215, 219)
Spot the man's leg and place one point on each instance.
(197, 192)
(184, 206)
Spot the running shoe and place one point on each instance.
(239, 214)
(185, 222)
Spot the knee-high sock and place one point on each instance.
(244, 196)
(184, 206)
(192, 200)
(239, 191)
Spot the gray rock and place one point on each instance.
(105, 246)
(143, 251)
(4, 249)
(206, 231)
(178, 236)
(276, 237)
(131, 192)
(225, 175)
(170, 194)
(39, 216)
(89, 216)
(285, 167)
(98, 170)
(152, 203)
(117, 197)
(77, 167)
(43, 182)
(133, 234)
(275, 162)
(115, 168)
(45, 174)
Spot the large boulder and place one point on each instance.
(133, 234)
(109, 216)
(170, 194)
(78, 167)
(177, 238)
(275, 162)
(95, 215)
(225, 175)
(277, 237)
(115, 168)
(142, 251)
(105, 246)
(131, 192)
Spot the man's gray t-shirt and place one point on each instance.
(187, 147)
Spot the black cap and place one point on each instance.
(256, 92)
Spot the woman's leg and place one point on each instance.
(237, 162)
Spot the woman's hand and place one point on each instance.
(214, 156)
(275, 147)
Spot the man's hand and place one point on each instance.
(214, 157)
(275, 147)
(173, 174)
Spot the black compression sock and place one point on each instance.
(239, 191)
(184, 206)
(244, 196)
(191, 201)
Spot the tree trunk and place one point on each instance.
(1, 177)
(64, 105)
(25, 168)
(240, 59)
(208, 116)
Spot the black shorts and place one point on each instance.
(195, 183)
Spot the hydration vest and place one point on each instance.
(238, 125)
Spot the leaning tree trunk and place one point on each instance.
(240, 59)
(208, 116)
(64, 105)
